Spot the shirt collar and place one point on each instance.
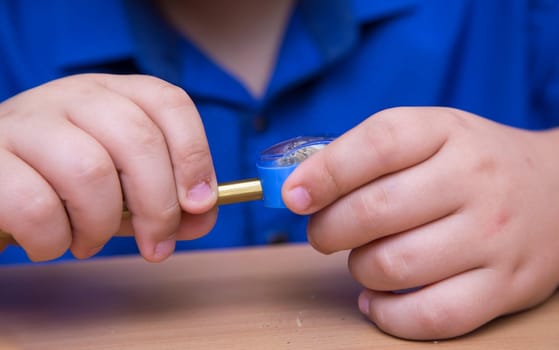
(90, 33)
(335, 23)
(333, 28)
(91, 36)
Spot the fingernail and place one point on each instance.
(164, 249)
(298, 199)
(199, 192)
(364, 302)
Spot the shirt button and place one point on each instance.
(259, 123)
(278, 237)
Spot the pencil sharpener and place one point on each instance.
(278, 161)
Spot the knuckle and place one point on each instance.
(169, 216)
(157, 225)
(92, 167)
(173, 97)
(485, 165)
(381, 138)
(455, 118)
(194, 154)
(361, 208)
(381, 317)
(367, 211)
(330, 173)
(78, 85)
(146, 134)
(170, 213)
(37, 207)
(391, 265)
(142, 132)
(435, 319)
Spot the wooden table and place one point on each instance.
(285, 297)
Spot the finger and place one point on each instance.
(82, 174)
(31, 210)
(174, 112)
(139, 151)
(194, 226)
(392, 140)
(446, 309)
(422, 256)
(393, 203)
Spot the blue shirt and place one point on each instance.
(340, 61)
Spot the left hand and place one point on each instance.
(442, 199)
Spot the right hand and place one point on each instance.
(72, 150)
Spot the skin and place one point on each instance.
(109, 138)
(242, 36)
(438, 198)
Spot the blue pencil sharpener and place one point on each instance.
(274, 166)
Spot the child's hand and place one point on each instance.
(73, 149)
(442, 199)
